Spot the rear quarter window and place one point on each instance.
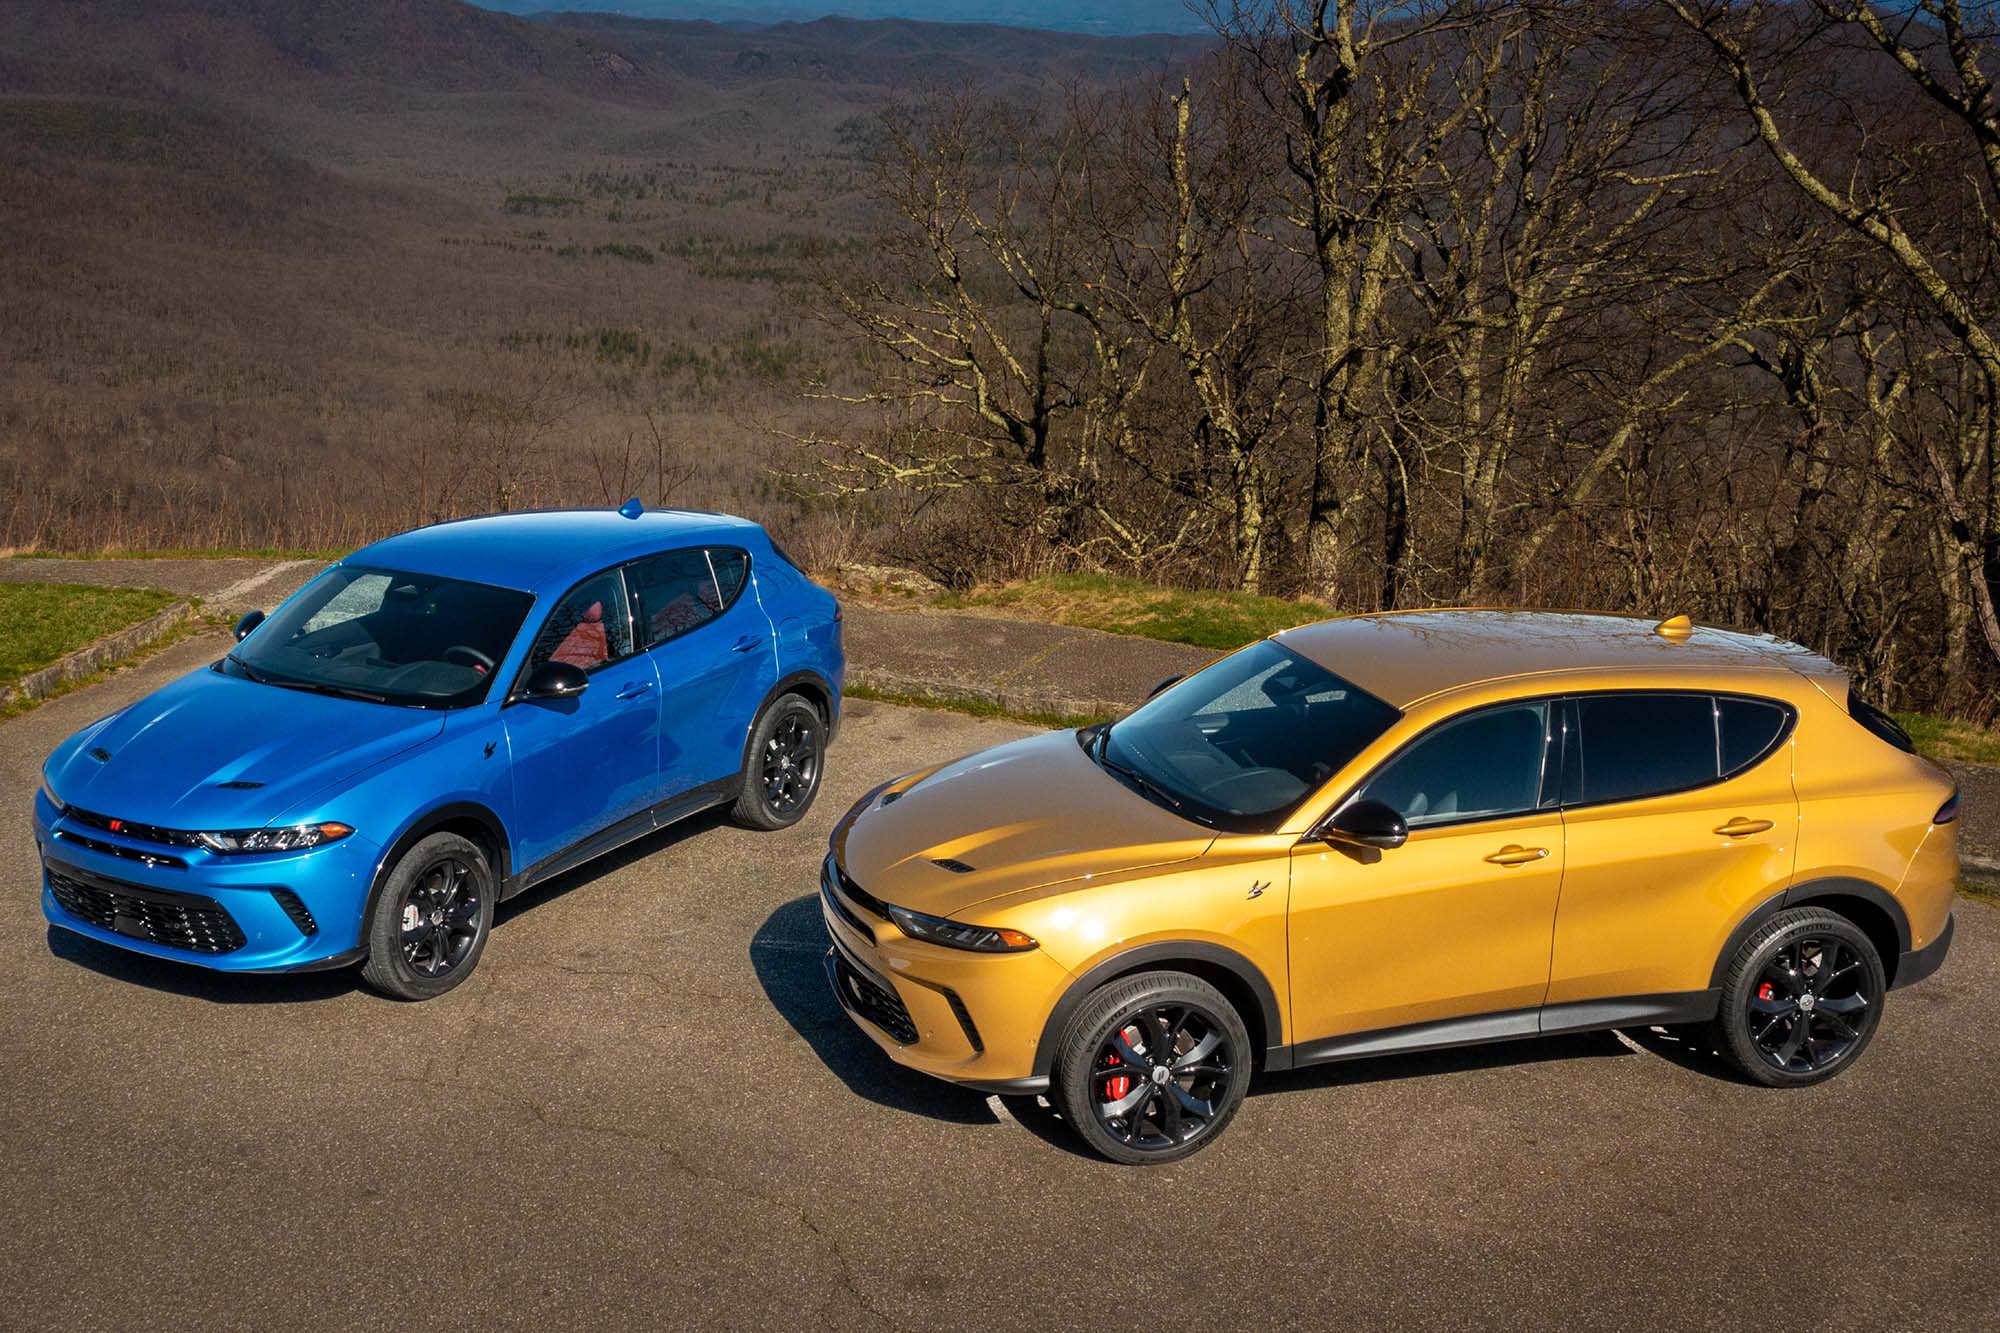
(1879, 722)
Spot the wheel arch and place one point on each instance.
(1872, 908)
(810, 685)
(472, 821)
(1241, 982)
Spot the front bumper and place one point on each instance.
(970, 1018)
(280, 913)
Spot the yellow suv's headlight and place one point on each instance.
(957, 934)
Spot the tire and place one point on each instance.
(1800, 1000)
(783, 765)
(430, 921)
(1158, 1122)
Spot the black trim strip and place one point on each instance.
(1916, 964)
(103, 848)
(837, 906)
(628, 829)
(1509, 1025)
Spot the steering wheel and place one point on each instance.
(480, 661)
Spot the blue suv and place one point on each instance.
(434, 724)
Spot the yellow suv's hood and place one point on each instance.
(1021, 816)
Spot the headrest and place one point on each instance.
(593, 613)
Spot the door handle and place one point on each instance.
(633, 689)
(746, 643)
(1740, 827)
(1514, 854)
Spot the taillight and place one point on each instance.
(1948, 811)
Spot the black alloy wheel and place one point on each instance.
(1801, 998)
(1810, 1005)
(430, 919)
(789, 765)
(1160, 1077)
(782, 765)
(441, 916)
(1153, 1067)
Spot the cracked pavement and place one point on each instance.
(644, 1108)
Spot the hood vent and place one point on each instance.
(955, 866)
(100, 754)
(892, 798)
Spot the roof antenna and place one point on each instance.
(1676, 628)
(632, 509)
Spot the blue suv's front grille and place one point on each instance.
(178, 920)
(125, 828)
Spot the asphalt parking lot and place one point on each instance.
(644, 1109)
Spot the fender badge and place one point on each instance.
(489, 749)
(1257, 889)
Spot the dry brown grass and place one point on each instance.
(269, 288)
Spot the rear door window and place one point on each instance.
(1636, 745)
(1483, 765)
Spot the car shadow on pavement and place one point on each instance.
(198, 983)
(1442, 1063)
(788, 952)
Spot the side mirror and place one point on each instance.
(1366, 824)
(555, 680)
(251, 620)
(1168, 683)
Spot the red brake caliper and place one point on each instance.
(1764, 992)
(1117, 1087)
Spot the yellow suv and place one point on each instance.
(1396, 833)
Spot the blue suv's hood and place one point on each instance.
(165, 758)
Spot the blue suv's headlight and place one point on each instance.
(291, 838)
(50, 792)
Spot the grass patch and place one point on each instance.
(971, 707)
(1953, 742)
(197, 624)
(42, 622)
(192, 553)
(1980, 890)
(638, 254)
(1223, 620)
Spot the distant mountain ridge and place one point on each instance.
(135, 47)
(1121, 18)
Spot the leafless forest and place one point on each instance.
(1665, 305)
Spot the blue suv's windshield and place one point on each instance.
(416, 640)
(1240, 745)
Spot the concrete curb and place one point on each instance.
(95, 656)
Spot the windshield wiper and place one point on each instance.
(1104, 760)
(321, 687)
(251, 673)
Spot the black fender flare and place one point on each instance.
(1163, 954)
(789, 684)
(1841, 886)
(427, 823)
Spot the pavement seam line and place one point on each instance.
(1008, 675)
(244, 586)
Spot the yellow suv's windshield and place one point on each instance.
(1239, 745)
